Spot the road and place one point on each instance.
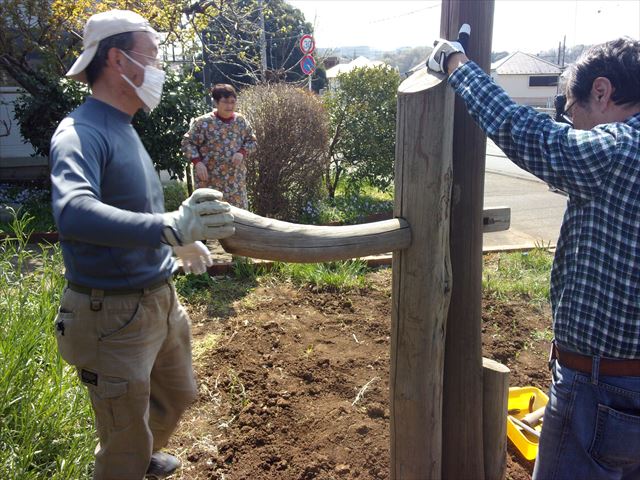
(536, 212)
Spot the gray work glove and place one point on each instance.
(437, 61)
(201, 216)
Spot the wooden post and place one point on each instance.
(462, 448)
(495, 394)
(421, 275)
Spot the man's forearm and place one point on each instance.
(109, 226)
(455, 60)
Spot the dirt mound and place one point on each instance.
(294, 384)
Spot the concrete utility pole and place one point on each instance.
(263, 42)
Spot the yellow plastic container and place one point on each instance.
(523, 400)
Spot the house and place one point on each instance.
(360, 62)
(18, 160)
(528, 79)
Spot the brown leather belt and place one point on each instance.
(118, 291)
(608, 366)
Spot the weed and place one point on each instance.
(545, 335)
(203, 346)
(518, 273)
(330, 276)
(45, 414)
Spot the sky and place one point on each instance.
(529, 26)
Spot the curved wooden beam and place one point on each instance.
(269, 239)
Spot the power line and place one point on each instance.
(437, 4)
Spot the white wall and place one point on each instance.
(517, 86)
(11, 146)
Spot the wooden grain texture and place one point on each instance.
(462, 449)
(269, 239)
(421, 275)
(495, 394)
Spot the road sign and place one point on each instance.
(307, 44)
(307, 65)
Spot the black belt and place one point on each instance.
(584, 363)
(118, 291)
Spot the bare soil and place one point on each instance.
(294, 382)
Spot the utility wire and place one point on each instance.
(386, 19)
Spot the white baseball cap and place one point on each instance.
(101, 26)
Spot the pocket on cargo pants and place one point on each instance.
(76, 338)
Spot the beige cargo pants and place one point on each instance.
(133, 353)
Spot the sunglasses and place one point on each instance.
(563, 114)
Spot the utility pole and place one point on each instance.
(559, 52)
(263, 42)
(462, 435)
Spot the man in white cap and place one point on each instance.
(120, 322)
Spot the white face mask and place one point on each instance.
(150, 91)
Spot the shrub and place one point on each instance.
(161, 130)
(363, 123)
(285, 173)
(174, 194)
(40, 115)
(26, 199)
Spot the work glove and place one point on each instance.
(201, 171)
(442, 49)
(195, 257)
(237, 157)
(201, 216)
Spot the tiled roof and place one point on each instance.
(520, 63)
(347, 67)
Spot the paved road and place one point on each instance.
(536, 212)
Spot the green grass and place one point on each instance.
(217, 294)
(46, 427)
(349, 207)
(330, 276)
(524, 274)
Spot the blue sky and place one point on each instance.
(530, 26)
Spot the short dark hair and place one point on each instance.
(223, 90)
(618, 61)
(121, 41)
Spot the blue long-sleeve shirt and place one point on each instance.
(595, 280)
(107, 201)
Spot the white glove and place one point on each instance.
(195, 257)
(437, 61)
(200, 216)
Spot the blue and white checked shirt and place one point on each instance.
(595, 280)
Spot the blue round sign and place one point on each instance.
(307, 65)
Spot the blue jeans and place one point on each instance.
(591, 427)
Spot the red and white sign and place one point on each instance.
(307, 44)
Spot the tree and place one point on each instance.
(38, 42)
(39, 39)
(161, 131)
(284, 175)
(232, 41)
(363, 124)
(407, 58)
(39, 115)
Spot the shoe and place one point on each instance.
(162, 465)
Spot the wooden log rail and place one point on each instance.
(268, 239)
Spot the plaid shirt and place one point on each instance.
(595, 280)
